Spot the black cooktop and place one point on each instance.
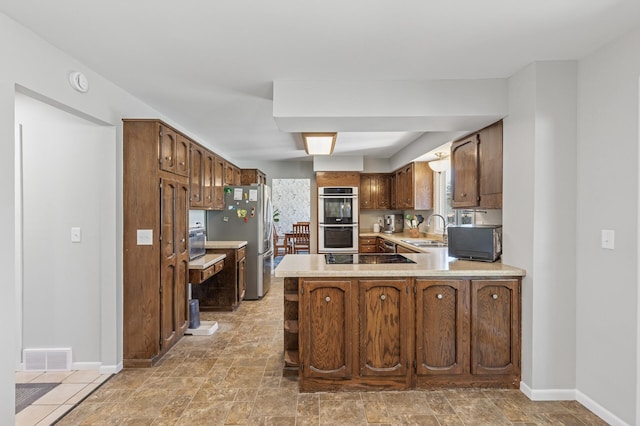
(352, 259)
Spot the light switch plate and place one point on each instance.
(145, 237)
(76, 234)
(608, 237)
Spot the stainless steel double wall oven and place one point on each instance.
(338, 220)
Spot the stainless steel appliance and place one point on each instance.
(475, 242)
(248, 216)
(393, 223)
(338, 219)
(197, 238)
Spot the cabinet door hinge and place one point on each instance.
(160, 343)
(415, 364)
(160, 132)
(415, 289)
(302, 366)
(407, 289)
(301, 290)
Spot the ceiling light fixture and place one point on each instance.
(319, 143)
(441, 164)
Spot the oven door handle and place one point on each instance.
(344, 225)
(346, 197)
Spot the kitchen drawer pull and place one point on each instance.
(327, 299)
(383, 297)
(439, 296)
(495, 296)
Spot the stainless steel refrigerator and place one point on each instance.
(248, 216)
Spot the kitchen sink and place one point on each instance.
(425, 243)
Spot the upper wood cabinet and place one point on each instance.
(232, 175)
(202, 182)
(414, 187)
(375, 191)
(251, 176)
(476, 169)
(196, 181)
(346, 179)
(173, 151)
(218, 183)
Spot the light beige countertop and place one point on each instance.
(224, 244)
(435, 262)
(205, 261)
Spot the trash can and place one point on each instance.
(194, 314)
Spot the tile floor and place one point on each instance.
(235, 376)
(73, 387)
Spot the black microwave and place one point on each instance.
(475, 242)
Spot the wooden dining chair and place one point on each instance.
(278, 244)
(300, 237)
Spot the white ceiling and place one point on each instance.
(210, 64)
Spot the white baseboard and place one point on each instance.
(572, 395)
(599, 410)
(111, 369)
(548, 394)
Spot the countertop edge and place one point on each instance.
(206, 261)
(224, 244)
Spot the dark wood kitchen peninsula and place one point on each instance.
(438, 322)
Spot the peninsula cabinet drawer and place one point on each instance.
(198, 276)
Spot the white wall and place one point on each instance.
(68, 180)
(607, 281)
(34, 64)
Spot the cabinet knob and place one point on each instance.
(463, 194)
(383, 297)
(439, 296)
(182, 163)
(327, 299)
(168, 158)
(495, 296)
(183, 240)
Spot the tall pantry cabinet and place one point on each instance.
(156, 246)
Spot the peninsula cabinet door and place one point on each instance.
(326, 329)
(385, 329)
(174, 261)
(442, 327)
(495, 327)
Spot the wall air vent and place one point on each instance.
(58, 359)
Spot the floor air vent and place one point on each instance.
(47, 359)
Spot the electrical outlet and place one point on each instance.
(145, 237)
(608, 237)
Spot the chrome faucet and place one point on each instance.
(444, 225)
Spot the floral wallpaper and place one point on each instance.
(292, 198)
